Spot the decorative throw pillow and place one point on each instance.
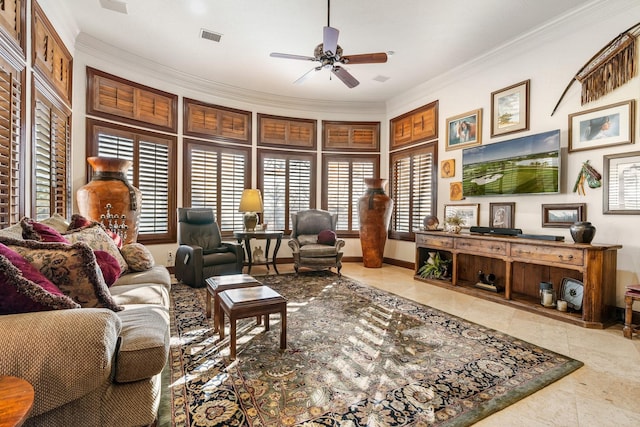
(327, 237)
(72, 268)
(98, 240)
(307, 239)
(23, 289)
(138, 257)
(108, 266)
(78, 221)
(57, 222)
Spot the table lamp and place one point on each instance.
(250, 204)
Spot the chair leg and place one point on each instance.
(628, 315)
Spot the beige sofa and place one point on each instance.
(94, 366)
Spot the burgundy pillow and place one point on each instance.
(327, 237)
(79, 221)
(23, 289)
(32, 230)
(108, 265)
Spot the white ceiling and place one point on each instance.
(428, 38)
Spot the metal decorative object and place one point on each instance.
(114, 222)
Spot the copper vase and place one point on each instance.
(374, 212)
(110, 198)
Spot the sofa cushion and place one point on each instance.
(144, 344)
(97, 238)
(158, 274)
(72, 268)
(151, 293)
(307, 239)
(24, 289)
(327, 237)
(317, 251)
(78, 221)
(137, 256)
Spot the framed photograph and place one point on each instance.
(469, 213)
(621, 183)
(502, 215)
(455, 191)
(464, 130)
(563, 215)
(602, 127)
(510, 109)
(448, 168)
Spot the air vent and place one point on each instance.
(210, 35)
(380, 78)
(116, 6)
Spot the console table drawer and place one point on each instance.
(431, 241)
(548, 254)
(482, 246)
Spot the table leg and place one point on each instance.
(266, 251)
(232, 336)
(266, 322)
(208, 308)
(283, 326)
(275, 253)
(221, 324)
(628, 317)
(247, 248)
(216, 312)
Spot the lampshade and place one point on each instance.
(251, 201)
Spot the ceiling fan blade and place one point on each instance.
(289, 56)
(330, 40)
(346, 78)
(306, 76)
(365, 58)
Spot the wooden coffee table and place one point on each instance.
(249, 302)
(217, 284)
(16, 399)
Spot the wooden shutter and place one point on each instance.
(355, 136)
(10, 137)
(212, 121)
(286, 132)
(415, 126)
(12, 22)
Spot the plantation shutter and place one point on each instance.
(51, 159)
(153, 182)
(413, 190)
(10, 109)
(286, 181)
(218, 177)
(344, 185)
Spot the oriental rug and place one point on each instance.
(356, 356)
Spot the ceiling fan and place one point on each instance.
(329, 55)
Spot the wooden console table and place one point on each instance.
(520, 265)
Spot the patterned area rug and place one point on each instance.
(356, 356)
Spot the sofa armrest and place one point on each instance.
(188, 266)
(64, 354)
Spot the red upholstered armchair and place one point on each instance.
(202, 253)
(313, 240)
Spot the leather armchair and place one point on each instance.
(202, 253)
(307, 250)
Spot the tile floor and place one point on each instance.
(604, 392)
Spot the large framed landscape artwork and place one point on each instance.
(527, 165)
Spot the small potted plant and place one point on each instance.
(435, 267)
(453, 223)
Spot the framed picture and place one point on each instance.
(501, 215)
(448, 168)
(464, 130)
(510, 109)
(563, 215)
(622, 183)
(469, 213)
(602, 127)
(455, 191)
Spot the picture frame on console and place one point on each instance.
(621, 194)
(468, 212)
(602, 127)
(510, 109)
(501, 215)
(464, 130)
(563, 215)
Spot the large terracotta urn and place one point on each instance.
(374, 212)
(110, 198)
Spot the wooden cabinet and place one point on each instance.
(520, 265)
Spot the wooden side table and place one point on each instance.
(246, 236)
(16, 400)
(249, 302)
(217, 284)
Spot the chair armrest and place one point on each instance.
(65, 354)
(339, 244)
(294, 244)
(188, 266)
(238, 249)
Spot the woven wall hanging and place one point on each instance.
(610, 68)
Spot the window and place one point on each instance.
(287, 183)
(153, 173)
(214, 178)
(343, 184)
(11, 206)
(413, 190)
(51, 158)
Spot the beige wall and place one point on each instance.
(549, 57)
